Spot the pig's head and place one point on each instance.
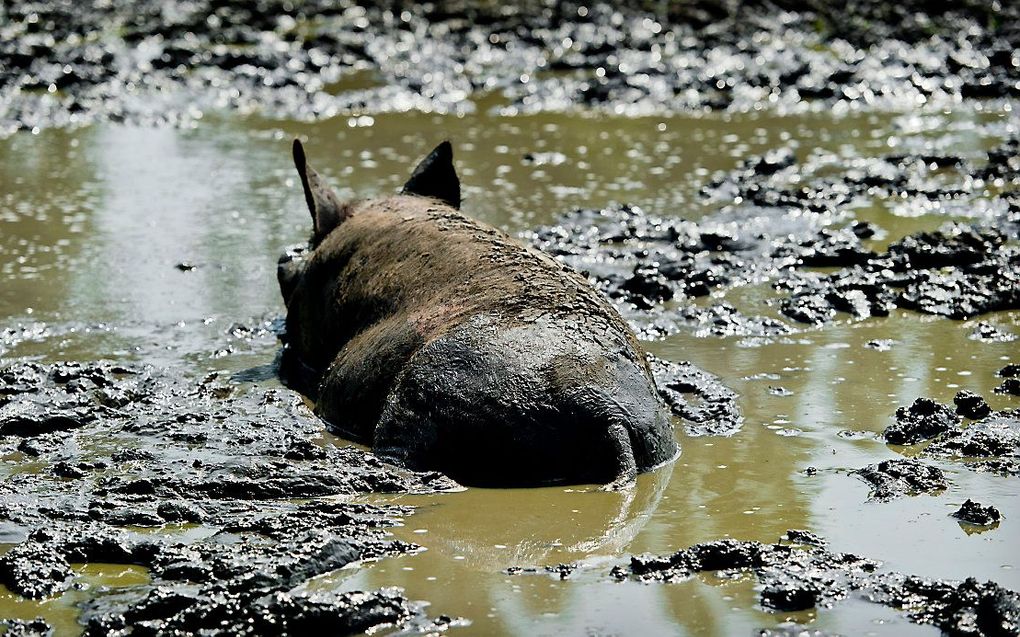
(435, 178)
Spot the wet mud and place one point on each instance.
(706, 406)
(793, 575)
(240, 476)
(887, 227)
(64, 63)
(891, 479)
(988, 440)
(972, 512)
(784, 223)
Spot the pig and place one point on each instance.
(444, 344)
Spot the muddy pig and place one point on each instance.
(444, 344)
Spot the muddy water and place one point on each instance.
(148, 245)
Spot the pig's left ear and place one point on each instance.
(435, 177)
(324, 204)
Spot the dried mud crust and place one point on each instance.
(794, 576)
(68, 63)
(780, 221)
(98, 452)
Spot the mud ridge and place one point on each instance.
(141, 61)
(244, 470)
(798, 574)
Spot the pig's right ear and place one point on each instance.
(436, 177)
(324, 204)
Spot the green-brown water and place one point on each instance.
(93, 222)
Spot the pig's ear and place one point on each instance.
(324, 204)
(435, 177)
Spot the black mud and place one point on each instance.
(994, 436)
(26, 628)
(68, 63)
(707, 407)
(987, 441)
(922, 420)
(656, 267)
(973, 512)
(891, 479)
(794, 576)
(786, 222)
(971, 405)
(250, 496)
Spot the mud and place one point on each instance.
(971, 405)
(1009, 386)
(831, 165)
(793, 576)
(26, 628)
(990, 442)
(642, 260)
(706, 406)
(142, 61)
(996, 435)
(783, 221)
(234, 467)
(924, 419)
(891, 479)
(973, 512)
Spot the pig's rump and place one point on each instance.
(499, 401)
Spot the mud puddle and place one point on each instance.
(157, 247)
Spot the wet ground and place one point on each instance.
(797, 255)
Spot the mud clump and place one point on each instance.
(924, 419)
(971, 405)
(891, 479)
(959, 272)
(643, 261)
(988, 333)
(800, 578)
(996, 435)
(801, 536)
(236, 460)
(26, 628)
(990, 443)
(1009, 386)
(974, 513)
(707, 407)
(776, 222)
(1011, 380)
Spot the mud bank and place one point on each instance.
(798, 574)
(250, 499)
(67, 63)
(787, 223)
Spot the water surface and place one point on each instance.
(148, 245)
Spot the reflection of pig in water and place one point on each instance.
(444, 344)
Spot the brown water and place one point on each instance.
(93, 222)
